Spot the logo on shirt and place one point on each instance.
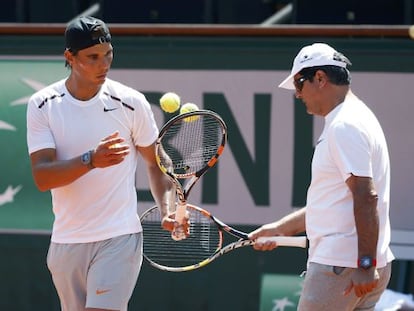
(109, 109)
(102, 291)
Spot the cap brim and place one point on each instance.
(288, 83)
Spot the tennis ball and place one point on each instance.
(170, 102)
(411, 32)
(187, 108)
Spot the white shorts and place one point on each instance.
(100, 274)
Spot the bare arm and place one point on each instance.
(162, 188)
(49, 173)
(291, 224)
(365, 213)
(367, 226)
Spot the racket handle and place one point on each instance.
(293, 241)
(178, 232)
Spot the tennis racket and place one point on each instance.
(187, 146)
(202, 246)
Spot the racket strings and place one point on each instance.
(189, 145)
(204, 240)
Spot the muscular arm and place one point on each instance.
(49, 172)
(162, 188)
(291, 224)
(365, 213)
(367, 226)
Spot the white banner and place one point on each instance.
(254, 182)
(388, 95)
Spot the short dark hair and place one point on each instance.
(67, 65)
(336, 75)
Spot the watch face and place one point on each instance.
(366, 262)
(86, 158)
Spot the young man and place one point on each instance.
(85, 134)
(346, 217)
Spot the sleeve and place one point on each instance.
(350, 150)
(39, 134)
(145, 129)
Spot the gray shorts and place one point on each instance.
(324, 285)
(100, 274)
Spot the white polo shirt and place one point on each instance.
(352, 142)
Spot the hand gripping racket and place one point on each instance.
(187, 146)
(202, 246)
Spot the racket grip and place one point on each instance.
(292, 241)
(178, 232)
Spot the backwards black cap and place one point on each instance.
(84, 32)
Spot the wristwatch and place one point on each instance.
(86, 159)
(366, 262)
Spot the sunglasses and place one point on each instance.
(299, 82)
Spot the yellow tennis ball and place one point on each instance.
(170, 102)
(411, 31)
(187, 108)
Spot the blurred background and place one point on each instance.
(386, 12)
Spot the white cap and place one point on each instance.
(317, 54)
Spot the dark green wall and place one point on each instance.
(244, 53)
(232, 282)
